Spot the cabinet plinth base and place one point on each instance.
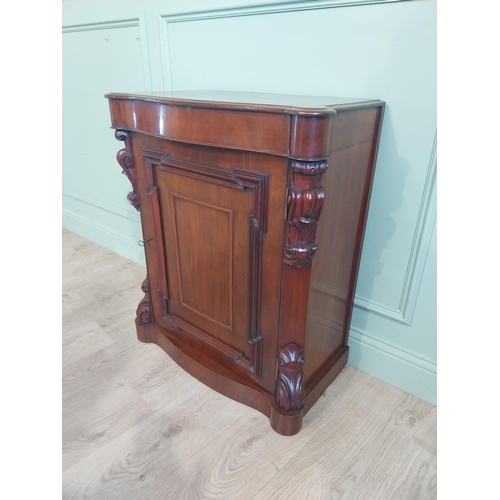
(221, 380)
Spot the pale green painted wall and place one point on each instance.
(384, 50)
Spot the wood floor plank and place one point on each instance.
(342, 460)
(426, 435)
(135, 465)
(93, 307)
(84, 339)
(412, 475)
(84, 376)
(107, 415)
(136, 426)
(252, 456)
(165, 381)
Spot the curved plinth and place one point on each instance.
(217, 378)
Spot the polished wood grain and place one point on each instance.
(231, 189)
(346, 192)
(137, 426)
(209, 127)
(194, 220)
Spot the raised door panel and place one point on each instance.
(210, 229)
(209, 276)
(203, 239)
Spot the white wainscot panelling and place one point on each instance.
(416, 256)
(402, 355)
(99, 58)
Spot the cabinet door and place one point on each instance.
(211, 223)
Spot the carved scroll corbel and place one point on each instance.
(126, 161)
(290, 392)
(305, 202)
(144, 311)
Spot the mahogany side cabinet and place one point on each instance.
(253, 209)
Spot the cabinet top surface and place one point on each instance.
(275, 103)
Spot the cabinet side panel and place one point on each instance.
(347, 185)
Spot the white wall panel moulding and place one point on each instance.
(413, 358)
(125, 23)
(139, 22)
(418, 254)
(421, 241)
(235, 8)
(133, 216)
(406, 372)
(99, 226)
(108, 237)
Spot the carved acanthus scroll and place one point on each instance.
(305, 202)
(126, 161)
(290, 392)
(144, 312)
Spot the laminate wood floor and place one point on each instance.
(136, 426)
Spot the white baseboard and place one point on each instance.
(399, 368)
(103, 235)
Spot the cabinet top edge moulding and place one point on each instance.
(295, 115)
